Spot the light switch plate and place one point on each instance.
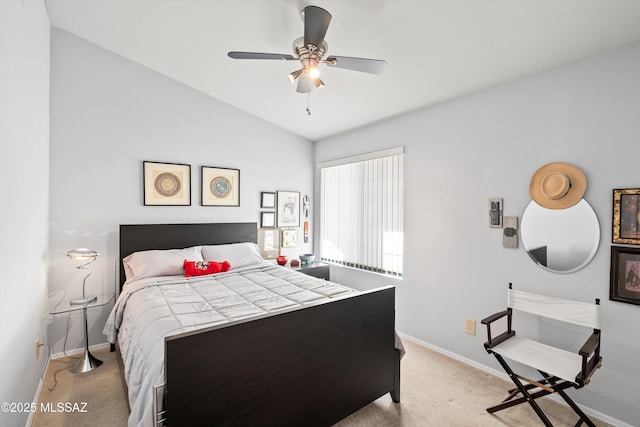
(510, 232)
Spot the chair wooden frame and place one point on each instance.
(532, 390)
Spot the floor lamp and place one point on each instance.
(88, 362)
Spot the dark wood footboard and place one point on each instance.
(306, 367)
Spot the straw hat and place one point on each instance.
(558, 185)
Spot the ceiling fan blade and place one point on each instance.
(260, 55)
(316, 23)
(373, 66)
(305, 83)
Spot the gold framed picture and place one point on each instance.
(289, 238)
(166, 184)
(626, 216)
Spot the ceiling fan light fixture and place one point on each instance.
(314, 73)
(319, 83)
(294, 75)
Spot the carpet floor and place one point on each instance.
(436, 391)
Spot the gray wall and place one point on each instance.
(109, 114)
(460, 154)
(24, 199)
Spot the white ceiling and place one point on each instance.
(436, 49)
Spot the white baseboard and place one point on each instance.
(503, 375)
(38, 390)
(75, 351)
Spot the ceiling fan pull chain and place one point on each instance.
(309, 101)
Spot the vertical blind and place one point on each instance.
(361, 213)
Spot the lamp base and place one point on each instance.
(87, 363)
(83, 301)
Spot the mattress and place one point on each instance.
(150, 309)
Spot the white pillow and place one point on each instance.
(237, 254)
(153, 263)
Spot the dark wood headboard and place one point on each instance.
(142, 237)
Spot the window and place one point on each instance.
(361, 203)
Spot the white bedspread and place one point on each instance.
(152, 308)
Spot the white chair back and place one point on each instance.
(574, 312)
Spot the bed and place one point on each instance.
(309, 364)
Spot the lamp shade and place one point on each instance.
(84, 254)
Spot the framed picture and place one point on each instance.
(625, 275)
(267, 219)
(289, 238)
(220, 186)
(166, 184)
(626, 216)
(288, 208)
(267, 200)
(269, 242)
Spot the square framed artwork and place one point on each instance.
(289, 238)
(267, 219)
(625, 275)
(220, 186)
(626, 216)
(269, 242)
(288, 208)
(267, 200)
(166, 184)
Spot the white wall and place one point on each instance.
(24, 199)
(460, 154)
(109, 114)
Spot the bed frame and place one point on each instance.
(310, 366)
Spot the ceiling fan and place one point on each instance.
(310, 51)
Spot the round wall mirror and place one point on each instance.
(560, 240)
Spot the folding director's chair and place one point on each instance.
(560, 369)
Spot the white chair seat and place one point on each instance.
(552, 360)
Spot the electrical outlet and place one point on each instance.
(37, 348)
(470, 326)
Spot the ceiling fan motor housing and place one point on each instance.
(310, 56)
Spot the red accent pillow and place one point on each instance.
(200, 268)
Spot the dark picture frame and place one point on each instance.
(625, 275)
(268, 200)
(288, 208)
(219, 186)
(626, 216)
(166, 184)
(267, 219)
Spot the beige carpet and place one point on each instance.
(101, 389)
(436, 391)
